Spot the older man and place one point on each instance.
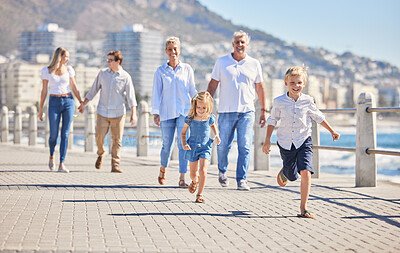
(115, 84)
(239, 77)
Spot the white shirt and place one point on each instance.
(237, 79)
(58, 85)
(114, 87)
(295, 116)
(172, 91)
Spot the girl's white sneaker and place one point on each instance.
(62, 168)
(51, 164)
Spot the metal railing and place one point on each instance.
(365, 149)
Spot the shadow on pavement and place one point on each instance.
(358, 195)
(237, 214)
(93, 186)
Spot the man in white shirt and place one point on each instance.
(115, 84)
(240, 78)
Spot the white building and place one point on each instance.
(313, 89)
(273, 89)
(389, 97)
(45, 40)
(341, 97)
(143, 52)
(20, 83)
(85, 77)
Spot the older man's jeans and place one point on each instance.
(168, 128)
(243, 123)
(60, 107)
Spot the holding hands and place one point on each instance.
(81, 108)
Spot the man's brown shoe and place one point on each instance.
(116, 169)
(99, 162)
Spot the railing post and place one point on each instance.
(89, 129)
(71, 136)
(17, 125)
(32, 125)
(142, 130)
(46, 125)
(366, 138)
(315, 140)
(4, 124)
(261, 160)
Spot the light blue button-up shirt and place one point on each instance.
(295, 116)
(172, 91)
(114, 87)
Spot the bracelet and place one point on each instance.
(263, 110)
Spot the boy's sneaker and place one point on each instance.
(62, 168)
(223, 179)
(242, 185)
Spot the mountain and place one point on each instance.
(187, 19)
(196, 26)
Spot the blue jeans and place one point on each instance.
(168, 128)
(243, 123)
(60, 107)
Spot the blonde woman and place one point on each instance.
(59, 80)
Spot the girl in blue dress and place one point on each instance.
(198, 145)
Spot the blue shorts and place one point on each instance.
(199, 151)
(296, 160)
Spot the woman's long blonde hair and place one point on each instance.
(55, 61)
(201, 96)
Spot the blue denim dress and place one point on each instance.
(199, 139)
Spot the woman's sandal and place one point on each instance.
(162, 179)
(306, 214)
(199, 199)
(193, 186)
(182, 184)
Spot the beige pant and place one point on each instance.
(117, 130)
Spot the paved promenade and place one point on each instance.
(98, 211)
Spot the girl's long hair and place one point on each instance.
(55, 61)
(201, 96)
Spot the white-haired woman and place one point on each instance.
(173, 89)
(59, 80)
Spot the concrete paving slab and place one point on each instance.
(91, 210)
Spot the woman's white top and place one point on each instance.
(58, 85)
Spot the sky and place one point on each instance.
(369, 28)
